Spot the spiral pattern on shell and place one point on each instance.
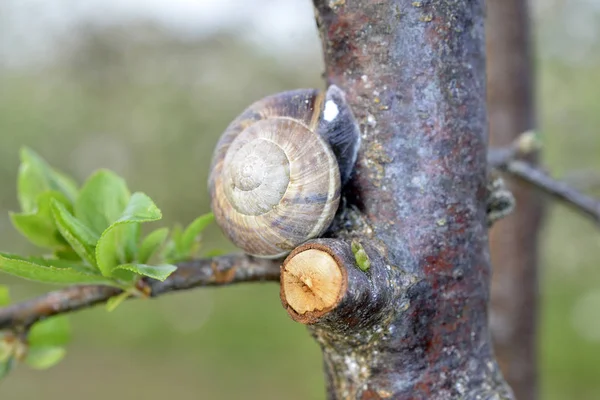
(275, 180)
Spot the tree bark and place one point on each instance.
(514, 241)
(216, 271)
(414, 74)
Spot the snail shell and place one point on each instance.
(278, 170)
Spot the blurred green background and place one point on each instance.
(148, 96)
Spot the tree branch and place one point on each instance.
(414, 74)
(557, 189)
(216, 271)
(322, 285)
(509, 160)
(514, 243)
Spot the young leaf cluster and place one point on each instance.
(92, 233)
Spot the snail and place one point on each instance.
(279, 167)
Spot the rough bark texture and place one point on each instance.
(514, 241)
(414, 73)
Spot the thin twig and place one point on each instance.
(509, 160)
(583, 203)
(585, 180)
(216, 271)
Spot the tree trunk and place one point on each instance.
(514, 240)
(412, 323)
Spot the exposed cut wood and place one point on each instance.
(311, 281)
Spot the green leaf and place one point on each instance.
(67, 254)
(140, 208)
(183, 243)
(115, 301)
(159, 272)
(44, 357)
(117, 245)
(360, 256)
(54, 331)
(76, 265)
(151, 243)
(111, 248)
(38, 225)
(131, 239)
(4, 296)
(27, 269)
(102, 200)
(82, 232)
(192, 232)
(362, 260)
(170, 252)
(36, 177)
(80, 237)
(355, 246)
